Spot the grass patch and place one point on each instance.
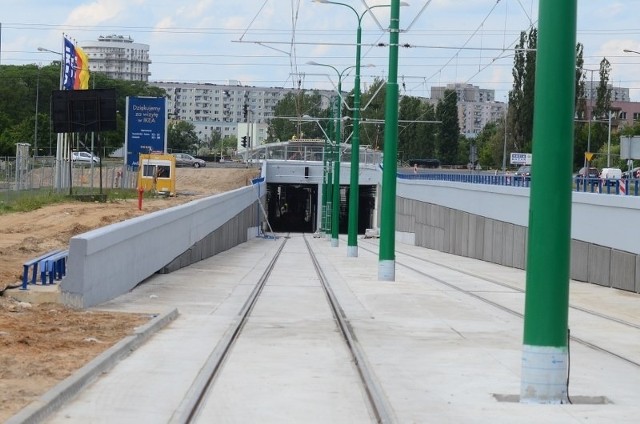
(30, 200)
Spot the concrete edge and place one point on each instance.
(54, 398)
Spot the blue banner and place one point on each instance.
(146, 127)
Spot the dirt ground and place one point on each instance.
(40, 345)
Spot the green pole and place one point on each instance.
(354, 186)
(323, 218)
(335, 214)
(386, 256)
(544, 357)
(329, 192)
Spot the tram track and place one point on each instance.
(194, 401)
(580, 340)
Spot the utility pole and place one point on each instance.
(386, 255)
(545, 342)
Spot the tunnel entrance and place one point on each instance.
(292, 207)
(295, 208)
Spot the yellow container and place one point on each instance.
(157, 173)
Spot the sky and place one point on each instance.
(268, 43)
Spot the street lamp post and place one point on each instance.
(386, 253)
(35, 129)
(60, 139)
(354, 186)
(335, 213)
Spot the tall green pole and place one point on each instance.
(544, 357)
(330, 172)
(386, 255)
(335, 215)
(323, 218)
(354, 186)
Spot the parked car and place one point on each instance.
(590, 172)
(84, 157)
(523, 173)
(183, 159)
(610, 176)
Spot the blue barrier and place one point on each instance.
(34, 263)
(54, 267)
(629, 187)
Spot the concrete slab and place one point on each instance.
(444, 341)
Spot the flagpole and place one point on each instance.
(60, 136)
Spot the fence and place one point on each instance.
(625, 186)
(24, 176)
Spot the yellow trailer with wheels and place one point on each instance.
(157, 173)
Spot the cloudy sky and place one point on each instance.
(270, 42)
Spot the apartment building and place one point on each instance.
(476, 106)
(118, 57)
(214, 107)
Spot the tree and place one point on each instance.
(581, 76)
(297, 105)
(490, 145)
(374, 100)
(418, 139)
(603, 91)
(449, 132)
(182, 137)
(521, 97)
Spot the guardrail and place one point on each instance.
(629, 187)
(52, 267)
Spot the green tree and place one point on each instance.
(182, 137)
(521, 97)
(581, 76)
(603, 91)
(449, 130)
(372, 134)
(417, 139)
(297, 105)
(490, 145)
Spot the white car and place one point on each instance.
(84, 157)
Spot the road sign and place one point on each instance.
(521, 158)
(588, 156)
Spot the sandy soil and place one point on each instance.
(41, 345)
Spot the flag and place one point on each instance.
(76, 67)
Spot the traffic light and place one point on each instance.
(244, 141)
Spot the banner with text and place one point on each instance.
(521, 158)
(146, 130)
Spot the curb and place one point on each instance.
(52, 400)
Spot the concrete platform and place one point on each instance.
(439, 354)
(36, 293)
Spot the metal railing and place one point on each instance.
(625, 186)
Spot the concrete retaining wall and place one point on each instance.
(490, 223)
(110, 261)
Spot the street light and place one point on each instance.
(60, 140)
(386, 251)
(326, 175)
(335, 215)
(354, 192)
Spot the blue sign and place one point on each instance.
(146, 127)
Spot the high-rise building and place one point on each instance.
(476, 106)
(118, 57)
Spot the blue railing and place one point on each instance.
(630, 187)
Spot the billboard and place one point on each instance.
(146, 130)
(521, 158)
